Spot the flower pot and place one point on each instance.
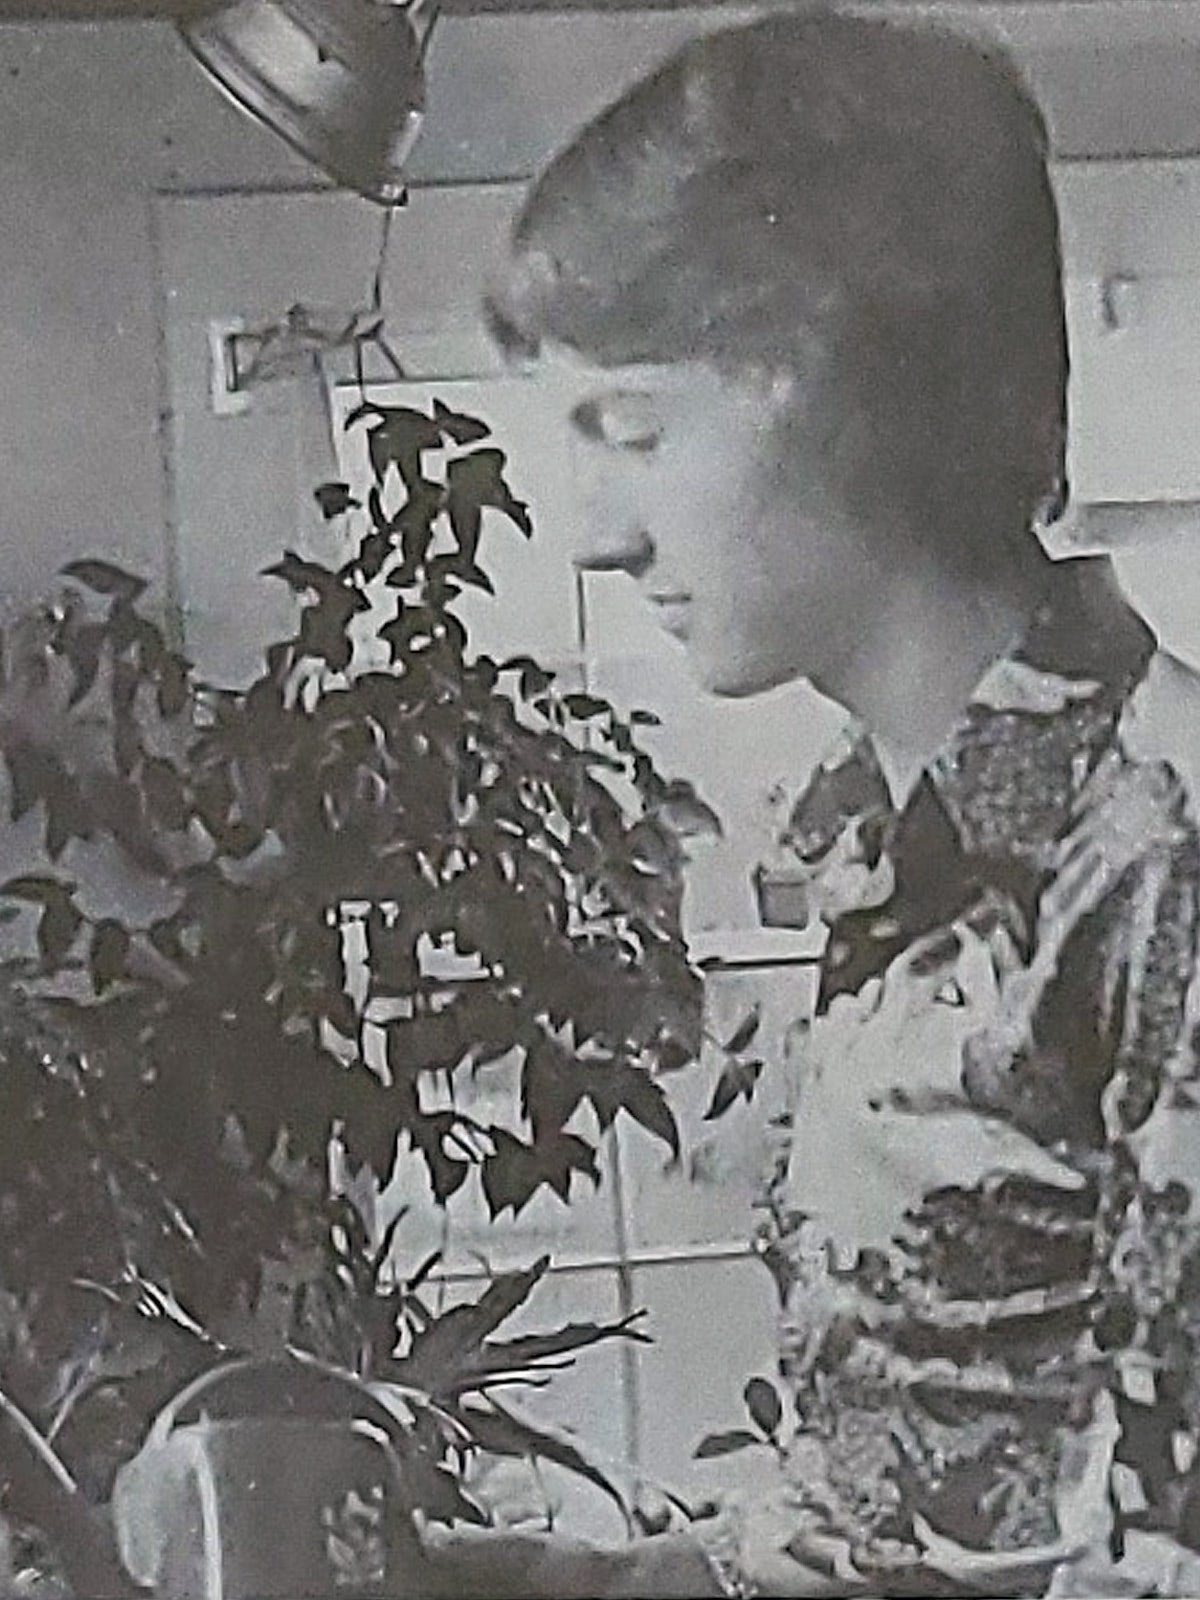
(286, 1506)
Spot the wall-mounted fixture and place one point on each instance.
(343, 81)
(295, 345)
(1120, 301)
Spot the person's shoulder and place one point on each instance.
(1139, 803)
(1160, 727)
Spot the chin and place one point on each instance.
(737, 678)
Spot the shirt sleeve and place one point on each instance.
(1092, 1034)
(1096, 1046)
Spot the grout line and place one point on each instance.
(581, 619)
(267, 188)
(165, 428)
(719, 963)
(662, 1256)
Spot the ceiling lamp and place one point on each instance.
(342, 80)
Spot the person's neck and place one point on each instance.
(927, 645)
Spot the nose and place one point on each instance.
(605, 551)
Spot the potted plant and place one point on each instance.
(203, 1055)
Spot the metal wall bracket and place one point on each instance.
(242, 358)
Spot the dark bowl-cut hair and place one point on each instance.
(870, 192)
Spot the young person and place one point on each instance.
(799, 294)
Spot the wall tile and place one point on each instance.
(590, 1402)
(714, 1327)
(709, 1196)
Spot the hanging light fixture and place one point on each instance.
(343, 81)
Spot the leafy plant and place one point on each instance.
(765, 1412)
(741, 1069)
(508, 852)
(458, 1359)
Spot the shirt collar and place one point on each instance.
(991, 807)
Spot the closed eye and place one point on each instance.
(622, 420)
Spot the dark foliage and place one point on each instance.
(172, 1142)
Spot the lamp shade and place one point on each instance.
(342, 80)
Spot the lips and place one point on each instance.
(672, 611)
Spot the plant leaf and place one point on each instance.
(474, 577)
(586, 707)
(519, 1354)
(57, 927)
(646, 1102)
(334, 500)
(67, 815)
(672, 1054)
(361, 413)
(108, 958)
(32, 772)
(724, 1095)
(764, 1405)
(450, 1345)
(478, 479)
(164, 792)
(621, 1085)
(173, 685)
(302, 576)
(515, 1172)
(459, 428)
(104, 578)
(37, 890)
(83, 646)
(532, 679)
(401, 436)
(437, 1491)
(323, 635)
(724, 1444)
(739, 1078)
(745, 1030)
(506, 1433)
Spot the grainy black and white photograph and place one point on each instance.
(599, 840)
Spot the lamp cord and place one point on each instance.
(385, 239)
(424, 13)
(374, 333)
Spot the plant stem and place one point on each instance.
(39, 1487)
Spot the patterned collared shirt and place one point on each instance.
(981, 1218)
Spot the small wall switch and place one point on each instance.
(1120, 301)
(226, 398)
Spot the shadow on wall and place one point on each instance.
(80, 457)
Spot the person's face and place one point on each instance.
(717, 499)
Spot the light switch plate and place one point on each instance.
(226, 399)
